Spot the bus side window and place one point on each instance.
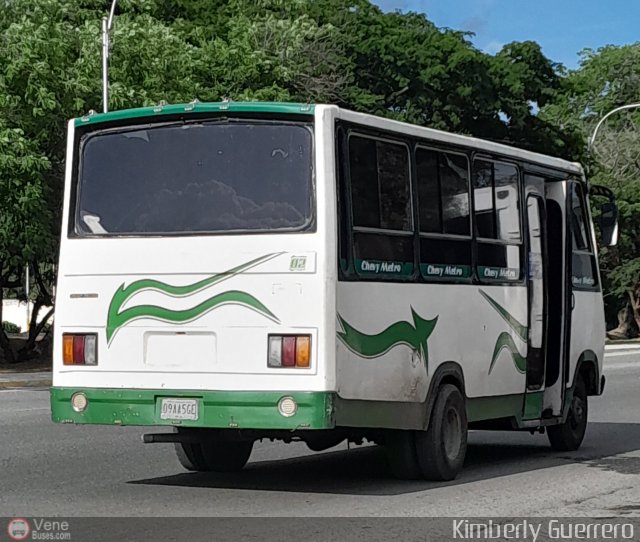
(381, 207)
(583, 264)
(342, 173)
(497, 221)
(443, 203)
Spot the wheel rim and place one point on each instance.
(452, 433)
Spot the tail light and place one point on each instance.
(289, 351)
(80, 349)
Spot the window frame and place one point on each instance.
(421, 146)
(367, 229)
(519, 167)
(349, 272)
(572, 181)
(82, 135)
(469, 238)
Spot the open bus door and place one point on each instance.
(548, 293)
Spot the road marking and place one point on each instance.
(620, 365)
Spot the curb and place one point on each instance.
(18, 384)
(41, 379)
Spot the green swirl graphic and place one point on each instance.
(505, 340)
(372, 346)
(117, 318)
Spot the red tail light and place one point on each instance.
(289, 351)
(80, 349)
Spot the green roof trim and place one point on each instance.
(198, 107)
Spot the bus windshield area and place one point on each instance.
(199, 177)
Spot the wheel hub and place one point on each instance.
(452, 433)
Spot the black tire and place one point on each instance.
(190, 456)
(441, 449)
(568, 436)
(400, 447)
(214, 456)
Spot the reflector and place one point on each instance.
(67, 349)
(303, 356)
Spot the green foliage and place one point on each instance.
(10, 327)
(342, 51)
(606, 79)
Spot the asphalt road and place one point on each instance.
(56, 470)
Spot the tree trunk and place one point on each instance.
(627, 322)
(634, 304)
(5, 346)
(35, 329)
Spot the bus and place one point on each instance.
(236, 271)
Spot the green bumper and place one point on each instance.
(216, 409)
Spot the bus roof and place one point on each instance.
(288, 108)
(197, 107)
(440, 136)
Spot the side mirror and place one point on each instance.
(609, 223)
(608, 220)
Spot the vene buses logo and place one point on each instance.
(118, 317)
(18, 529)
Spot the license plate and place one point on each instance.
(179, 409)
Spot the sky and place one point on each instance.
(562, 27)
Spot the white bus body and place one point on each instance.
(271, 316)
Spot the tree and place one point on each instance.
(608, 78)
(49, 72)
(25, 227)
(343, 51)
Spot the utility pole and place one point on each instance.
(107, 23)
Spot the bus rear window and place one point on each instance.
(203, 177)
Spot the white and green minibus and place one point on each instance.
(237, 271)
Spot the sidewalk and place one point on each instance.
(40, 379)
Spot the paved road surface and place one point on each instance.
(50, 470)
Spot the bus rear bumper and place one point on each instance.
(215, 409)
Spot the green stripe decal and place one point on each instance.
(117, 318)
(372, 346)
(505, 340)
(513, 323)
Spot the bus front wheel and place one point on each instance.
(568, 436)
(215, 456)
(441, 449)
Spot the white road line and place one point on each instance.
(620, 365)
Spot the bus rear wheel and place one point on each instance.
(214, 456)
(441, 449)
(568, 436)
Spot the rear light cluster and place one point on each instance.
(80, 349)
(289, 351)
